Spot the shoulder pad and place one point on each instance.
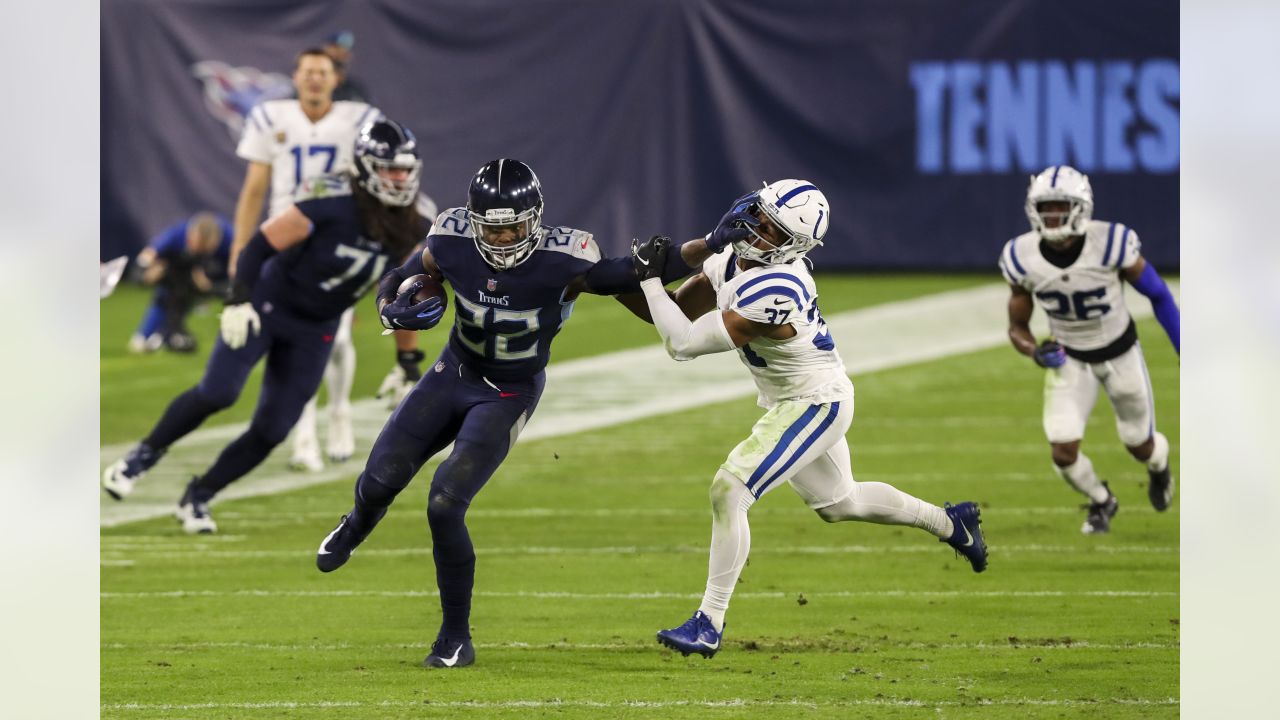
(1013, 259)
(323, 186)
(1122, 248)
(574, 243)
(774, 297)
(452, 222)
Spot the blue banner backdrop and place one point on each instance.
(920, 119)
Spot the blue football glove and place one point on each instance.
(400, 315)
(1049, 354)
(733, 226)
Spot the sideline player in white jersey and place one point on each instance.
(298, 148)
(1072, 265)
(761, 301)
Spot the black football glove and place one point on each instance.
(1049, 354)
(650, 257)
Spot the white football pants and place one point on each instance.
(1071, 391)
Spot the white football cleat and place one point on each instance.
(306, 463)
(139, 345)
(115, 482)
(120, 477)
(306, 451)
(194, 515)
(340, 441)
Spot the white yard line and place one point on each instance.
(425, 705)
(195, 550)
(619, 387)
(647, 646)
(656, 595)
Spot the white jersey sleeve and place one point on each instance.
(1130, 248)
(256, 143)
(572, 242)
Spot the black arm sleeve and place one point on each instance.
(249, 267)
(615, 276)
(390, 282)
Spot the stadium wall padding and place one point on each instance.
(920, 119)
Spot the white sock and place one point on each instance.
(730, 544)
(884, 504)
(1080, 476)
(1159, 459)
(305, 443)
(340, 373)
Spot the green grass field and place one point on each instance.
(589, 543)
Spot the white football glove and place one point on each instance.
(394, 387)
(238, 322)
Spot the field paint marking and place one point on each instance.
(656, 595)
(1049, 644)
(619, 387)
(621, 704)
(195, 550)
(249, 519)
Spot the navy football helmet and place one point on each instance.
(504, 202)
(385, 145)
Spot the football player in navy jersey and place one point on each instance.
(514, 282)
(303, 268)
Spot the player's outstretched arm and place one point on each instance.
(695, 298)
(617, 276)
(1144, 278)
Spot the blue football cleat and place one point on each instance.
(967, 538)
(1160, 488)
(337, 546)
(697, 635)
(446, 653)
(1098, 521)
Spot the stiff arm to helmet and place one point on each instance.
(799, 210)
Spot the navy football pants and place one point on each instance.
(482, 419)
(296, 351)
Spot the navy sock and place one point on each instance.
(455, 563)
(184, 414)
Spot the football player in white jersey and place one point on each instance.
(1073, 267)
(297, 148)
(761, 301)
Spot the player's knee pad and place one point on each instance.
(727, 493)
(444, 509)
(464, 472)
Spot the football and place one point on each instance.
(430, 288)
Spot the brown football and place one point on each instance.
(430, 288)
